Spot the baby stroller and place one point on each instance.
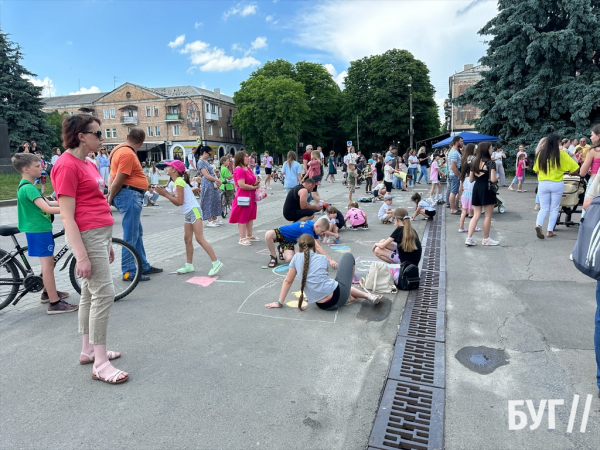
(572, 197)
(500, 204)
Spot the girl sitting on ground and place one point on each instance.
(192, 216)
(424, 208)
(403, 245)
(356, 216)
(316, 285)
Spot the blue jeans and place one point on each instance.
(597, 334)
(412, 172)
(424, 174)
(129, 204)
(397, 183)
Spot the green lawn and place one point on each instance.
(9, 182)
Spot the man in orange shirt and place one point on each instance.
(127, 185)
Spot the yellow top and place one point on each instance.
(554, 173)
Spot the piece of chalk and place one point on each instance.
(265, 267)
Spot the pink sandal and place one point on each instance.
(90, 358)
(113, 378)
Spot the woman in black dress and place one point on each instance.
(483, 171)
(379, 169)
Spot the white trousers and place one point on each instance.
(550, 193)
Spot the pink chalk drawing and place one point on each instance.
(264, 251)
(202, 281)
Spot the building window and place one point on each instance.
(231, 113)
(148, 111)
(114, 132)
(157, 131)
(232, 132)
(106, 113)
(220, 112)
(112, 113)
(221, 131)
(214, 109)
(175, 130)
(156, 112)
(207, 107)
(175, 110)
(107, 133)
(150, 130)
(210, 130)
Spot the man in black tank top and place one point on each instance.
(296, 207)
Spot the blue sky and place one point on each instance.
(80, 45)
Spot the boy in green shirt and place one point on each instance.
(34, 220)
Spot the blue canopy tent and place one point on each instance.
(468, 138)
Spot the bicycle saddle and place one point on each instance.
(5, 230)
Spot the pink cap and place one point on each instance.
(177, 165)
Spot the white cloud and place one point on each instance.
(236, 48)
(177, 42)
(92, 90)
(198, 24)
(338, 78)
(269, 18)
(446, 40)
(214, 59)
(240, 9)
(258, 43)
(48, 86)
(69, 42)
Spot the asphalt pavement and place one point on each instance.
(210, 367)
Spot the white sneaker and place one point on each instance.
(462, 230)
(571, 256)
(470, 242)
(211, 224)
(489, 241)
(374, 298)
(218, 222)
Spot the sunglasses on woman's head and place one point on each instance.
(97, 133)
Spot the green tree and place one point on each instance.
(544, 60)
(322, 96)
(270, 112)
(377, 93)
(55, 120)
(20, 101)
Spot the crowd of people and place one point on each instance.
(88, 182)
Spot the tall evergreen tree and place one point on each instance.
(20, 101)
(544, 70)
(377, 93)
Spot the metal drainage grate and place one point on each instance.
(415, 361)
(423, 324)
(411, 411)
(415, 418)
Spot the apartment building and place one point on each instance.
(175, 119)
(458, 117)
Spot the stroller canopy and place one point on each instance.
(468, 138)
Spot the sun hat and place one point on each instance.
(177, 165)
(388, 159)
(388, 197)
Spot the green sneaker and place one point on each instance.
(186, 269)
(215, 268)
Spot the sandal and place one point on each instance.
(90, 358)
(280, 251)
(113, 378)
(272, 262)
(538, 231)
(550, 234)
(253, 238)
(244, 241)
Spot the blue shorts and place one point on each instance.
(40, 244)
(454, 184)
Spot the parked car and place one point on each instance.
(162, 165)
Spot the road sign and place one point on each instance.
(349, 143)
(198, 140)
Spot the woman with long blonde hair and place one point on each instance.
(403, 244)
(316, 285)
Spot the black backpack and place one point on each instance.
(408, 278)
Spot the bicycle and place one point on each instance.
(18, 278)
(225, 200)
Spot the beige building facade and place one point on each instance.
(458, 117)
(175, 119)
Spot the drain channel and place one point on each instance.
(411, 410)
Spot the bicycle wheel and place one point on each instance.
(224, 204)
(9, 281)
(125, 256)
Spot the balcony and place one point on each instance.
(129, 120)
(173, 117)
(212, 116)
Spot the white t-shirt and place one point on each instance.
(192, 161)
(382, 211)
(351, 158)
(426, 205)
(497, 155)
(189, 201)
(54, 159)
(318, 284)
(379, 186)
(413, 162)
(388, 173)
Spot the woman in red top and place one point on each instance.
(88, 226)
(246, 183)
